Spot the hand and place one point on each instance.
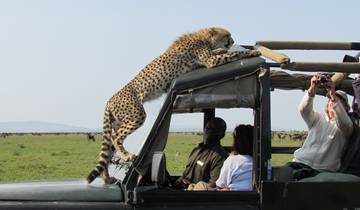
(224, 189)
(181, 183)
(313, 85)
(330, 88)
(314, 80)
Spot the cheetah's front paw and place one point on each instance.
(219, 51)
(236, 55)
(126, 156)
(254, 53)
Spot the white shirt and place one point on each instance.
(236, 173)
(323, 147)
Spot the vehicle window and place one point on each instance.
(135, 141)
(288, 128)
(186, 132)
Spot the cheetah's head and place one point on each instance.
(219, 38)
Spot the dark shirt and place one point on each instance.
(205, 164)
(350, 162)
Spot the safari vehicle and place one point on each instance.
(145, 183)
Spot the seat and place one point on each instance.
(282, 174)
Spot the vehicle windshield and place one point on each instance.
(135, 141)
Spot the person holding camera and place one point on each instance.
(328, 132)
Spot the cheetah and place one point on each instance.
(124, 112)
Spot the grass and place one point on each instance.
(281, 159)
(46, 157)
(31, 157)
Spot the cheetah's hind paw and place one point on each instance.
(110, 180)
(255, 53)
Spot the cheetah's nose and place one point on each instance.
(230, 43)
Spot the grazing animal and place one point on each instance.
(124, 112)
(90, 137)
(281, 135)
(299, 136)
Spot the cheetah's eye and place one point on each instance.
(227, 36)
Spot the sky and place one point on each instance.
(60, 61)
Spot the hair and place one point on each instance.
(243, 139)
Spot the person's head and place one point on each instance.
(214, 131)
(243, 139)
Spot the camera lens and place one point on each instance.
(322, 79)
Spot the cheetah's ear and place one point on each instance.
(212, 31)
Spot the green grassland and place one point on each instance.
(33, 157)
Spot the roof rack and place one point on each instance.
(267, 50)
(309, 45)
(322, 67)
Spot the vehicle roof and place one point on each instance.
(204, 76)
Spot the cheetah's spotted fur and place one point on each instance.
(124, 112)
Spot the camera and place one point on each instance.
(322, 78)
(350, 59)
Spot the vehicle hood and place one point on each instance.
(60, 190)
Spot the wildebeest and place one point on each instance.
(90, 137)
(299, 136)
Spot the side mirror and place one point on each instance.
(158, 165)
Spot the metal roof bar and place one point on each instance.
(322, 67)
(309, 45)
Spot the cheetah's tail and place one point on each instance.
(105, 153)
